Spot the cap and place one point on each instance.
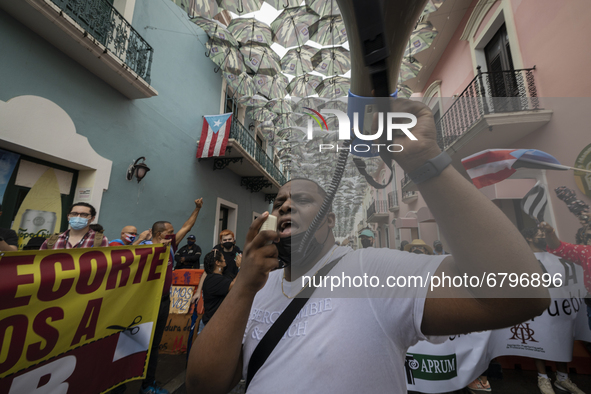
(191, 236)
(367, 232)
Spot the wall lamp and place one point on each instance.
(137, 169)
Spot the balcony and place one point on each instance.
(378, 212)
(96, 35)
(393, 202)
(495, 110)
(246, 158)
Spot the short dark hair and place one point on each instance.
(159, 227)
(529, 232)
(84, 204)
(97, 227)
(210, 259)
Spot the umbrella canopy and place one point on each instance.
(329, 30)
(226, 56)
(250, 29)
(332, 61)
(205, 8)
(308, 102)
(409, 69)
(272, 87)
(432, 6)
(421, 38)
(240, 6)
(334, 87)
(281, 4)
(404, 91)
(291, 27)
(280, 106)
(298, 60)
(304, 85)
(261, 56)
(287, 120)
(242, 84)
(324, 7)
(290, 133)
(262, 115)
(255, 101)
(335, 104)
(215, 29)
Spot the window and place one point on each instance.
(498, 59)
(226, 218)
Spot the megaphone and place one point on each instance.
(378, 31)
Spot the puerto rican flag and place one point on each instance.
(494, 165)
(214, 135)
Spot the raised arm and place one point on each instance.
(190, 222)
(481, 239)
(215, 363)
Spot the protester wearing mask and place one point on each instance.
(418, 246)
(366, 237)
(438, 248)
(80, 235)
(231, 253)
(188, 256)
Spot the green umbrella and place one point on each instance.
(291, 27)
(404, 91)
(281, 4)
(409, 69)
(287, 120)
(334, 87)
(332, 61)
(262, 115)
(205, 8)
(335, 104)
(304, 85)
(215, 29)
(298, 60)
(261, 56)
(255, 101)
(250, 29)
(272, 87)
(432, 6)
(242, 84)
(420, 39)
(226, 56)
(241, 6)
(329, 30)
(308, 102)
(324, 7)
(280, 106)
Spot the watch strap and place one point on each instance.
(431, 168)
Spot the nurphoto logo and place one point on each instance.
(363, 135)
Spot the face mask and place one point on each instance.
(78, 223)
(190, 242)
(418, 251)
(287, 248)
(540, 243)
(129, 238)
(228, 245)
(438, 248)
(366, 243)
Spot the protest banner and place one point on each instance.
(78, 320)
(457, 362)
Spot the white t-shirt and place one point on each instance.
(342, 345)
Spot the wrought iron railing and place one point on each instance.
(405, 180)
(377, 206)
(392, 200)
(487, 93)
(246, 140)
(110, 28)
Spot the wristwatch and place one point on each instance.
(430, 169)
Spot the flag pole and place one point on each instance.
(551, 166)
(580, 169)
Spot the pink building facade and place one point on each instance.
(504, 74)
